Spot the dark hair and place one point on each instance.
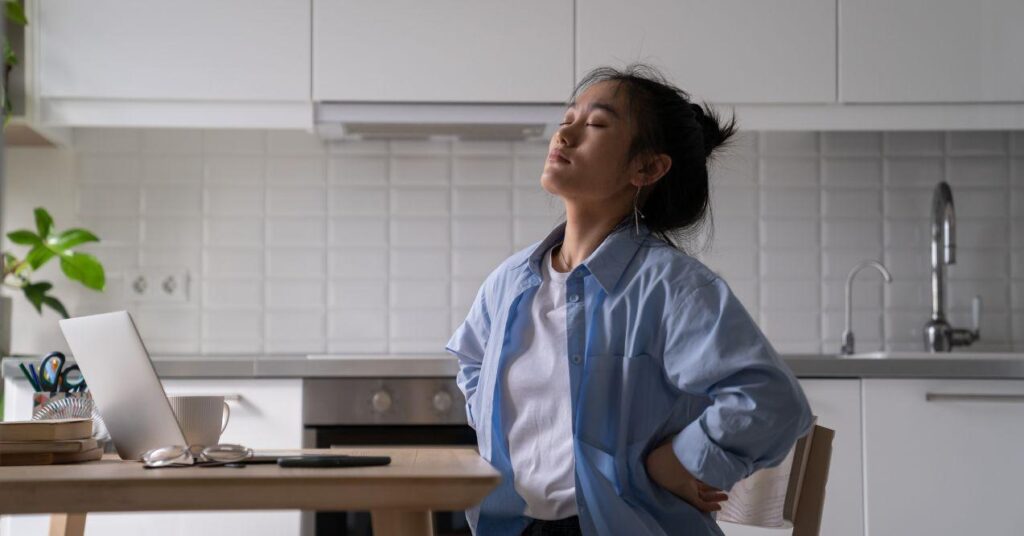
(667, 122)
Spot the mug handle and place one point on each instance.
(227, 417)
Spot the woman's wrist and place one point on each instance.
(665, 469)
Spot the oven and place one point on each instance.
(382, 412)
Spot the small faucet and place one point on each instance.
(847, 348)
(939, 336)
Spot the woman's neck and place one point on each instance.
(584, 232)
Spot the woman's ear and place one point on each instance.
(652, 168)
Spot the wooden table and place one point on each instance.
(399, 496)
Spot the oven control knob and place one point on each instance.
(442, 401)
(381, 401)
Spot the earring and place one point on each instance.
(636, 211)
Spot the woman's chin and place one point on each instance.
(553, 182)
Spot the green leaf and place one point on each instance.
(24, 237)
(44, 223)
(56, 305)
(15, 13)
(10, 58)
(38, 255)
(84, 268)
(35, 293)
(9, 260)
(73, 237)
(42, 286)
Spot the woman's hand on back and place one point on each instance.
(665, 470)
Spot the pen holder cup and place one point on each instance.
(61, 405)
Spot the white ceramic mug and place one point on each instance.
(202, 418)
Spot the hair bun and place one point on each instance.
(714, 131)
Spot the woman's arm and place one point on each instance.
(714, 349)
(468, 344)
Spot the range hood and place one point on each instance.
(470, 121)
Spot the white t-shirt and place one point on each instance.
(540, 430)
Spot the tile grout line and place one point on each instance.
(325, 304)
(200, 282)
(884, 211)
(387, 245)
(822, 335)
(266, 249)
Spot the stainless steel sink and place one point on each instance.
(936, 355)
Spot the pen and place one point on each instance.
(35, 377)
(28, 376)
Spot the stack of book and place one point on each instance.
(46, 442)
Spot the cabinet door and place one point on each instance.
(836, 403)
(737, 51)
(931, 51)
(949, 466)
(186, 50)
(443, 50)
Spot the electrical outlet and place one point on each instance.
(157, 285)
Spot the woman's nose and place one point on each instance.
(565, 135)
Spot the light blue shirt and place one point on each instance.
(659, 349)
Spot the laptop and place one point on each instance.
(123, 383)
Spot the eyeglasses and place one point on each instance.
(183, 456)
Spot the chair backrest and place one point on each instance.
(791, 493)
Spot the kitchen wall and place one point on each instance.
(294, 247)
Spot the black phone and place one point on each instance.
(333, 461)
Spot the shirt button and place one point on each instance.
(574, 298)
(576, 358)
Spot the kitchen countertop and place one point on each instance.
(442, 365)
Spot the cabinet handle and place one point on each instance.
(968, 397)
(234, 397)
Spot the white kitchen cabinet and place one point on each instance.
(939, 51)
(442, 51)
(949, 466)
(265, 414)
(157, 63)
(734, 51)
(836, 402)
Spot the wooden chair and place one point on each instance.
(758, 499)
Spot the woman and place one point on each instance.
(616, 382)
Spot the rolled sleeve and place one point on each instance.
(468, 344)
(757, 410)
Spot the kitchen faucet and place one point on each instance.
(939, 336)
(847, 348)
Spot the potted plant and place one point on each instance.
(45, 244)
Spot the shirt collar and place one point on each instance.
(607, 262)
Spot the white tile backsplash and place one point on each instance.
(421, 201)
(357, 200)
(363, 263)
(851, 172)
(378, 246)
(233, 261)
(790, 171)
(233, 231)
(235, 142)
(420, 170)
(914, 143)
(173, 169)
(359, 169)
(296, 170)
(246, 170)
(482, 170)
(296, 262)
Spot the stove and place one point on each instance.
(382, 411)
